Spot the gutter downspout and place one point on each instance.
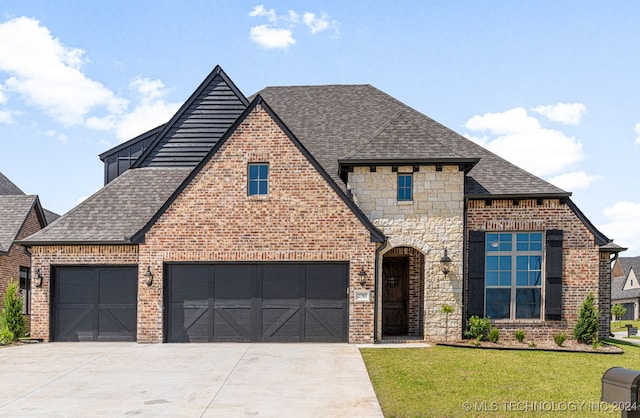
(465, 294)
(375, 289)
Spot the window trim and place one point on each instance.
(258, 180)
(404, 187)
(513, 286)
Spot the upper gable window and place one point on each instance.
(258, 179)
(405, 187)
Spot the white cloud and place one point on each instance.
(152, 110)
(278, 33)
(6, 117)
(57, 136)
(636, 129)
(271, 38)
(48, 74)
(577, 180)
(623, 225)
(519, 138)
(514, 121)
(567, 113)
(314, 23)
(261, 11)
(3, 97)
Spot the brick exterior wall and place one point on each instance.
(214, 220)
(17, 257)
(46, 258)
(583, 268)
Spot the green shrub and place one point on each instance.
(618, 311)
(532, 344)
(560, 338)
(586, 329)
(12, 324)
(478, 328)
(494, 334)
(519, 335)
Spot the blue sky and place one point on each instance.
(552, 86)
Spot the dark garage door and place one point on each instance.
(95, 303)
(257, 302)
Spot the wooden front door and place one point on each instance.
(395, 295)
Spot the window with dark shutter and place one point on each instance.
(553, 285)
(475, 295)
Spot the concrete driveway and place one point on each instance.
(186, 380)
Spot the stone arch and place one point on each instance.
(413, 284)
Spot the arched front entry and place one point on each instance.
(402, 292)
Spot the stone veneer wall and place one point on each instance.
(213, 220)
(433, 221)
(46, 258)
(17, 257)
(582, 269)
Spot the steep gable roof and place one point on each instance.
(14, 210)
(7, 187)
(198, 124)
(115, 212)
(335, 121)
(376, 234)
(630, 263)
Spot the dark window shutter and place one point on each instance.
(475, 302)
(553, 284)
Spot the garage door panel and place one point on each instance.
(115, 285)
(116, 322)
(189, 323)
(281, 324)
(191, 282)
(233, 323)
(326, 282)
(95, 304)
(321, 324)
(75, 322)
(282, 282)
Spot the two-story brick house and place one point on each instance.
(312, 213)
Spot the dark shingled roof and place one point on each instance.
(117, 211)
(7, 187)
(617, 283)
(13, 212)
(336, 122)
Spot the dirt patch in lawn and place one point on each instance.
(568, 346)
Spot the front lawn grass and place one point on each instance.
(437, 381)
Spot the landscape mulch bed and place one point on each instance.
(568, 346)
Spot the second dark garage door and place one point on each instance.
(95, 303)
(257, 302)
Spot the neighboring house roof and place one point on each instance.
(629, 263)
(117, 211)
(336, 122)
(7, 187)
(14, 211)
(617, 283)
